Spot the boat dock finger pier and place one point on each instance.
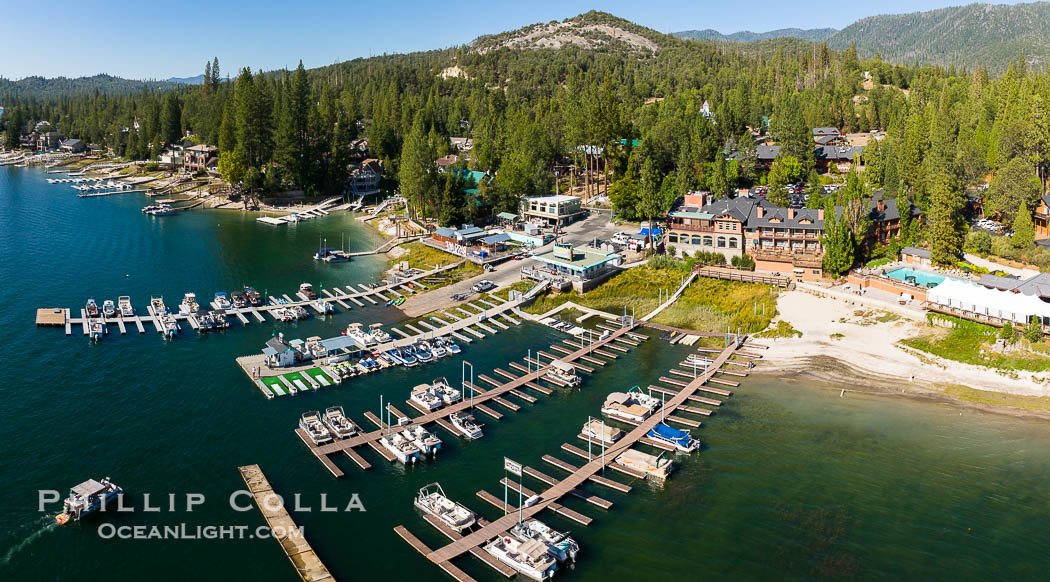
(283, 528)
(591, 471)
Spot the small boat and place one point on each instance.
(448, 394)
(389, 302)
(563, 372)
(452, 347)
(158, 306)
(109, 309)
(403, 449)
(466, 424)
(408, 355)
(299, 312)
(219, 320)
(377, 333)
(425, 396)
(531, 558)
(170, 325)
(162, 210)
(632, 406)
(314, 428)
(222, 301)
(238, 300)
(559, 544)
(306, 292)
(597, 430)
(189, 304)
(653, 466)
(330, 255)
(399, 301)
(323, 306)
(96, 329)
(424, 440)
(124, 305)
(91, 308)
(253, 297)
(340, 426)
(431, 500)
(438, 349)
(681, 440)
(88, 497)
(423, 352)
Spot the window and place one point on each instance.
(672, 237)
(732, 242)
(707, 240)
(816, 271)
(721, 242)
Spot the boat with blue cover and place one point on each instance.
(680, 439)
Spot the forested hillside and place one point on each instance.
(810, 34)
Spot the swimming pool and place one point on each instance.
(921, 278)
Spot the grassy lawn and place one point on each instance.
(706, 305)
(973, 343)
(998, 398)
(423, 257)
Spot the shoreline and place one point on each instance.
(855, 348)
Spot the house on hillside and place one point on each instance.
(72, 146)
(365, 178)
(462, 144)
(1040, 217)
(786, 240)
(839, 156)
(766, 154)
(200, 157)
(886, 218)
(826, 135)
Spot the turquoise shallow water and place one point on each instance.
(794, 482)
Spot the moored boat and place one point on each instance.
(680, 439)
(595, 429)
(377, 333)
(109, 309)
(189, 304)
(559, 544)
(531, 558)
(91, 308)
(632, 406)
(425, 396)
(314, 428)
(337, 422)
(124, 304)
(402, 448)
(306, 292)
(652, 466)
(253, 297)
(425, 441)
(222, 301)
(431, 500)
(443, 389)
(466, 424)
(563, 372)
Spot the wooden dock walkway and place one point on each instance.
(303, 558)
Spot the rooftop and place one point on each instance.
(582, 258)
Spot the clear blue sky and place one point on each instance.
(173, 39)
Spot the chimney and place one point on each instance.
(791, 213)
(881, 205)
(760, 211)
(820, 214)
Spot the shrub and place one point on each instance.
(1007, 332)
(744, 262)
(151, 167)
(1033, 332)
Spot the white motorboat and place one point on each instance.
(306, 292)
(377, 333)
(425, 396)
(559, 544)
(314, 428)
(531, 558)
(157, 303)
(189, 304)
(91, 308)
(109, 309)
(437, 347)
(466, 424)
(323, 306)
(337, 422)
(403, 449)
(448, 394)
(124, 304)
(431, 500)
(426, 441)
(170, 325)
(96, 329)
(595, 429)
(632, 406)
(680, 439)
(222, 301)
(362, 337)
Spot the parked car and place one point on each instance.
(483, 286)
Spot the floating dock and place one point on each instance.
(283, 528)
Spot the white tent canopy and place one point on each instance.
(1016, 307)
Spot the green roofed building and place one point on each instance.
(584, 267)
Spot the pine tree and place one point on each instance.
(215, 73)
(947, 226)
(417, 161)
(171, 119)
(838, 242)
(1024, 231)
(206, 87)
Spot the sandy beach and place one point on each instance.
(864, 353)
